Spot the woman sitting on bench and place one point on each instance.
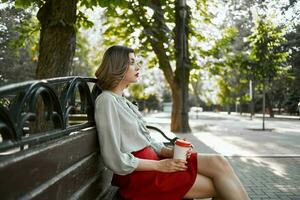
(143, 168)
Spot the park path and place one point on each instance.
(267, 162)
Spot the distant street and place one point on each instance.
(238, 135)
(267, 162)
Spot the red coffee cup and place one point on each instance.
(180, 149)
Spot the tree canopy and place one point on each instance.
(234, 47)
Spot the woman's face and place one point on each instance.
(132, 72)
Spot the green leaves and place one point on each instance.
(266, 56)
(28, 3)
(138, 91)
(82, 21)
(113, 3)
(88, 3)
(23, 3)
(17, 52)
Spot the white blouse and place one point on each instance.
(121, 130)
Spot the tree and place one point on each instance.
(292, 96)
(157, 24)
(58, 22)
(228, 64)
(267, 56)
(16, 56)
(280, 91)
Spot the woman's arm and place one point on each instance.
(165, 165)
(109, 130)
(166, 152)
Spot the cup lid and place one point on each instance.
(183, 143)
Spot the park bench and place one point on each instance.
(62, 161)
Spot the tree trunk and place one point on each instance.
(241, 107)
(279, 107)
(264, 105)
(57, 38)
(56, 49)
(228, 109)
(179, 80)
(182, 71)
(178, 120)
(176, 109)
(270, 104)
(252, 101)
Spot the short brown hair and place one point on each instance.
(113, 66)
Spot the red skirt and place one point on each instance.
(152, 185)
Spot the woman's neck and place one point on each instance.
(118, 92)
(119, 89)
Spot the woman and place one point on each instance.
(143, 168)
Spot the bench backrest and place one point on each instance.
(63, 163)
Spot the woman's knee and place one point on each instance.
(221, 164)
(213, 165)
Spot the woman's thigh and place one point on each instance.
(203, 187)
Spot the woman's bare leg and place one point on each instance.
(202, 188)
(226, 183)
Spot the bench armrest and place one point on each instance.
(171, 141)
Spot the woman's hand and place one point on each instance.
(171, 165)
(189, 153)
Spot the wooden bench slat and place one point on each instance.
(28, 169)
(107, 192)
(65, 184)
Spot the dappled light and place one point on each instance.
(225, 75)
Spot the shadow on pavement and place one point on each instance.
(269, 178)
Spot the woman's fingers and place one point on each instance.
(172, 165)
(189, 153)
(180, 165)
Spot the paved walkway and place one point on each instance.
(269, 178)
(267, 162)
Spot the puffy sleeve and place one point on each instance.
(157, 146)
(108, 128)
